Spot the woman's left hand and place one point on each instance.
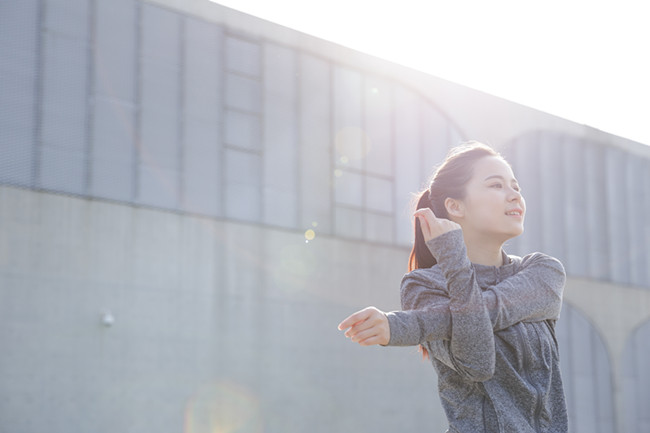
(367, 327)
(432, 226)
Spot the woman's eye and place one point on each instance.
(496, 185)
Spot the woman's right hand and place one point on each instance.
(367, 327)
(432, 226)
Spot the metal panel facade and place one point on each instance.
(170, 165)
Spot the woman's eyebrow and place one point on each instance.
(498, 176)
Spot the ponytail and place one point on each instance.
(420, 256)
(449, 180)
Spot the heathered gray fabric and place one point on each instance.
(490, 334)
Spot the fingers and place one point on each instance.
(424, 223)
(428, 222)
(367, 327)
(433, 226)
(355, 318)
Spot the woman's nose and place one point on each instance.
(515, 195)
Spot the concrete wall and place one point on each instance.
(215, 324)
(160, 164)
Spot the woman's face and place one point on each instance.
(493, 204)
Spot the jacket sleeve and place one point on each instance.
(471, 339)
(533, 294)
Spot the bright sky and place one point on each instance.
(586, 61)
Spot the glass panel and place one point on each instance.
(586, 373)
(19, 36)
(242, 56)
(435, 138)
(379, 126)
(201, 168)
(112, 179)
(527, 170)
(350, 139)
(114, 53)
(348, 188)
(243, 93)
(160, 35)
(408, 178)
(280, 207)
(315, 144)
(63, 170)
(596, 218)
(552, 198)
(158, 186)
(113, 129)
(616, 202)
(637, 196)
(636, 381)
(64, 92)
(379, 228)
(68, 18)
(379, 194)
(575, 205)
(243, 130)
(159, 145)
(243, 168)
(349, 222)
(202, 66)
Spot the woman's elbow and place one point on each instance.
(481, 370)
(479, 374)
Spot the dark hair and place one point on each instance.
(449, 180)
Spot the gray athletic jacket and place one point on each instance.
(490, 333)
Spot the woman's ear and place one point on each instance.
(454, 207)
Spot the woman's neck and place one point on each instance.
(483, 251)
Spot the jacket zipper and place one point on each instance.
(528, 360)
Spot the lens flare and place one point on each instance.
(293, 269)
(352, 144)
(310, 235)
(224, 407)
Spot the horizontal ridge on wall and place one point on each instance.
(176, 113)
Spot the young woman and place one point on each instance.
(486, 319)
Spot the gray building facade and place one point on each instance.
(191, 199)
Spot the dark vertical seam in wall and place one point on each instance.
(645, 226)
(393, 152)
(331, 146)
(638, 401)
(364, 163)
(629, 228)
(561, 184)
(261, 79)
(593, 339)
(90, 97)
(297, 106)
(421, 137)
(221, 150)
(447, 133)
(137, 102)
(575, 250)
(221, 270)
(181, 193)
(609, 201)
(570, 339)
(38, 98)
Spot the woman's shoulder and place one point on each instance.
(424, 275)
(418, 281)
(539, 259)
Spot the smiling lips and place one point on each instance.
(515, 212)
